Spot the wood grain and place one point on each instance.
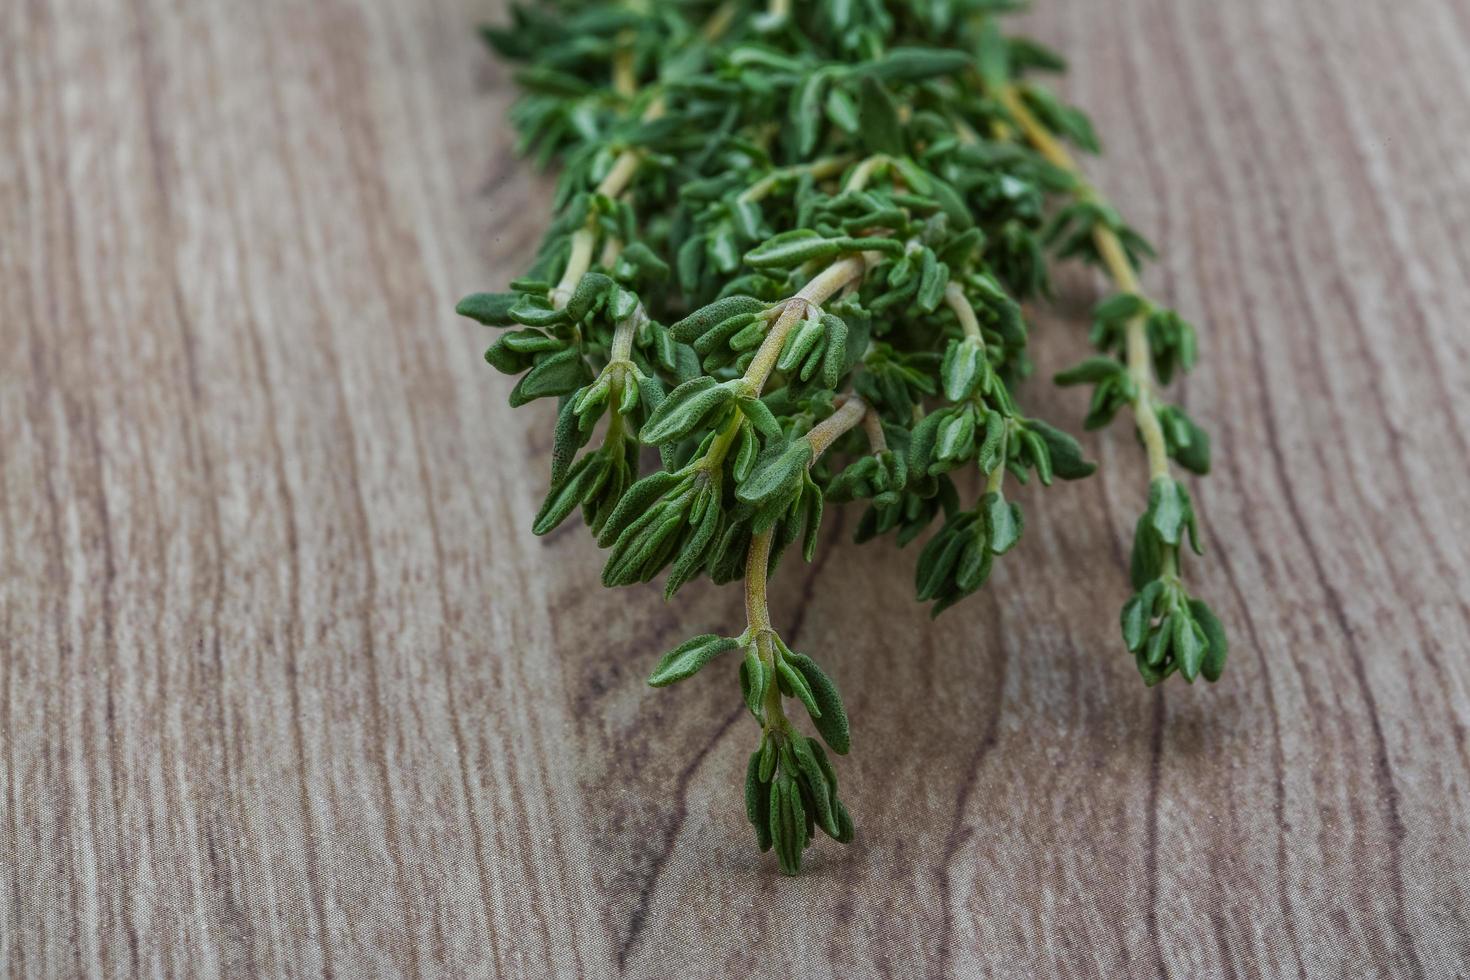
(288, 689)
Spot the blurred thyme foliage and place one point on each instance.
(790, 246)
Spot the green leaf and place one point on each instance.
(559, 374)
(685, 409)
(881, 130)
(1216, 644)
(758, 802)
(1135, 621)
(915, 64)
(686, 659)
(788, 824)
(777, 473)
(563, 499)
(1119, 308)
(963, 368)
(994, 58)
(491, 309)
(1003, 522)
(843, 111)
(806, 112)
(1092, 370)
(815, 782)
(1189, 646)
(1067, 460)
(832, 723)
(591, 288)
(753, 680)
(637, 502)
(792, 248)
(799, 687)
(1168, 509)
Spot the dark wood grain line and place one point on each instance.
(219, 731)
(959, 832)
(1389, 799)
(1167, 17)
(638, 919)
(295, 637)
(214, 496)
(412, 354)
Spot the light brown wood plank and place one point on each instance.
(287, 688)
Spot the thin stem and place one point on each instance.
(955, 297)
(715, 454)
(1115, 259)
(996, 479)
(865, 172)
(584, 240)
(821, 288)
(622, 342)
(873, 429)
(625, 79)
(757, 561)
(827, 167)
(835, 426)
(719, 21)
(758, 623)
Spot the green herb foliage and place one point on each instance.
(789, 249)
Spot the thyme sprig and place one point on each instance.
(790, 248)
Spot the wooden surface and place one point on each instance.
(289, 689)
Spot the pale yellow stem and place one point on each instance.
(955, 297)
(865, 172)
(997, 479)
(623, 334)
(1115, 259)
(873, 429)
(625, 81)
(829, 167)
(720, 21)
(835, 426)
(757, 560)
(584, 240)
(812, 296)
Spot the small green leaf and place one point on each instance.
(491, 309)
(1168, 509)
(1189, 646)
(591, 288)
(758, 801)
(753, 681)
(1067, 460)
(792, 248)
(1216, 644)
(915, 64)
(832, 723)
(777, 473)
(881, 130)
(701, 321)
(1090, 371)
(559, 374)
(799, 687)
(686, 659)
(685, 409)
(1003, 523)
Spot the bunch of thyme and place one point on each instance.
(790, 249)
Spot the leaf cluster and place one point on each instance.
(788, 258)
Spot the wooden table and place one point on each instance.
(289, 689)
